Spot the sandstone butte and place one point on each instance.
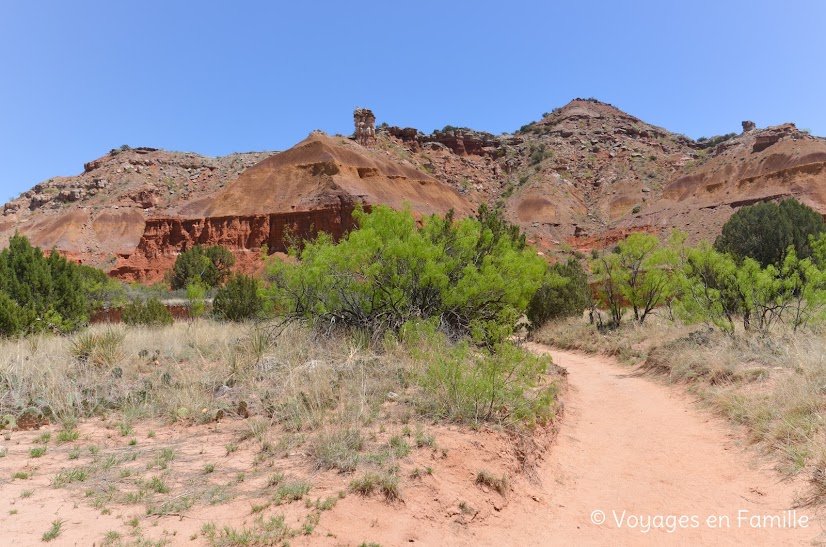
(586, 175)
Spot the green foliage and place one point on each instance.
(238, 299)
(765, 231)
(474, 385)
(209, 264)
(196, 297)
(151, 312)
(709, 288)
(538, 154)
(637, 272)
(475, 275)
(564, 293)
(39, 292)
(714, 288)
(101, 289)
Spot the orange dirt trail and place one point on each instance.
(629, 444)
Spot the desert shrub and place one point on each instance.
(386, 482)
(538, 154)
(13, 318)
(765, 231)
(40, 292)
(712, 287)
(565, 292)
(338, 450)
(101, 290)
(462, 383)
(151, 312)
(486, 478)
(98, 348)
(714, 141)
(475, 275)
(238, 299)
(209, 264)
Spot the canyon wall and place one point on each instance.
(164, 238)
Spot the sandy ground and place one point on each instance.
(643, 456)
(628, 445)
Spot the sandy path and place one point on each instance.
(629, 444)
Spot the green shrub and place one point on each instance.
(765, 231)
(564, 293)
(538, 154)
(151, 312)
(714, 141)
(39, 292)
(486, 478)
(211, 265)
(475, 275)
(238, 299)
(386, 482)
(338, 450)
(471, 385)
(196, 297)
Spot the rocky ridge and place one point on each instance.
(99, 213)
(584, 175)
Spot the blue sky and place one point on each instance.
(82, 77)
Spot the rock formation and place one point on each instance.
(748, 125)
(312, 187)
(101, 212)
(459, 140)
(586, 173)
(365, 123)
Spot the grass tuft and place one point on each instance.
(53, 532)
(486, 478)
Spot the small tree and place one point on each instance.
(638, 272)
(610, 277)
(211, 265)
(196, 297)
(238, 299)
(709, 287)
(151, 313)
(647, 268)
(48, 291)
(564, 293)
(765, 231)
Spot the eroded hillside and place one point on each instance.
(94, 216)
(585, 174)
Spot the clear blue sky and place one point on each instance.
(81, 77)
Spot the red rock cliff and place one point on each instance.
(165, 238)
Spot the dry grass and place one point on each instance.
(774, 385)
(193, 372)
(328, 403)
(200, 371)
(486, 478)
